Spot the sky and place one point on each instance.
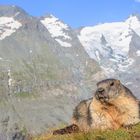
(78, 13)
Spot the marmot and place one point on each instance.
(113, 106)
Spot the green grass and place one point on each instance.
(120, 134)
(25, 95)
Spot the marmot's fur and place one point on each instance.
(113, 106)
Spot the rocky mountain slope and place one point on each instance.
(44, 72)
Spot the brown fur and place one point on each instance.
(67, 130)
(112, 107)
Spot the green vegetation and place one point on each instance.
(25, 95)
(120, 134)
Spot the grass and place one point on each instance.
(120, 134)
(25, 95)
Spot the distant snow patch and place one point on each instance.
(124, 66)
(8, 25)
(10, 82)
(138, 53)
(108, 71)
(55, 27)
(62, 43)
(97, 55)
(57, 30)
(16, 14)
(30, 51)
(134, 23)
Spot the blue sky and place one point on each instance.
(79, 13)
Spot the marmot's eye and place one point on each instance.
(112, 84)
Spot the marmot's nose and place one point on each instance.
(100, 90)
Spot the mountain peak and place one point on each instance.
(134, 23)
(54, 20)
(135, 15)
(133, 18)
(51, 16)
(57, 29)
(11, 10)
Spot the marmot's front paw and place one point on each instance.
(127, 126)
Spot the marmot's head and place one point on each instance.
(107, 90)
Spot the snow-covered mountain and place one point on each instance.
(8, 25)
(58, 30)
(116, 48)
(109, 43)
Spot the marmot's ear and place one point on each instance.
(118, 82)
